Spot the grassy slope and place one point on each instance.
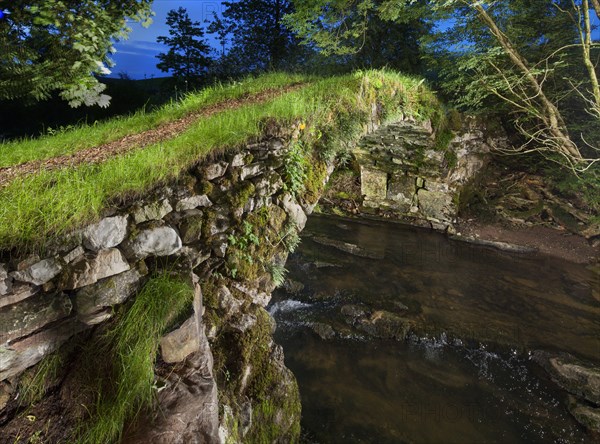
(86, 136)
(53, 203)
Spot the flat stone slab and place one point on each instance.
(29, 351)
(108, 292)
(89, 270)
(38, 273)
(19, 320)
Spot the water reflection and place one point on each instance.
(464, 375)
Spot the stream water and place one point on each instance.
(463, 375)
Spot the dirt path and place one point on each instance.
(163, 132)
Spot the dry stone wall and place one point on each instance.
(47, 299)
(402, 169)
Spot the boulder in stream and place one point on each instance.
(385, 325)
(571, 374)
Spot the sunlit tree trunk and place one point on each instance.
(549, 112)
(586, 44)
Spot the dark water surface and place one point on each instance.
(464, 374)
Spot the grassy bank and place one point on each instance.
(53, 203)
(87, 136)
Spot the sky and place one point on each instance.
(136, 56)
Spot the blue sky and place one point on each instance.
(136, 56)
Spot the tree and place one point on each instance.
(499, 49)
(259, 38)
(187, 58)
(59, 45)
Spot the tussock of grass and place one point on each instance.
(130, 348)
(52, 203)
(35, 384)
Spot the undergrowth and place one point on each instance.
(129, 351)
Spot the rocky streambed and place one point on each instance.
(398, 334)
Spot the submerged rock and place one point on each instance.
(571, 374)
(385, 325)
(292, 286)
(587, 416)
(348, 247)
(324, 331)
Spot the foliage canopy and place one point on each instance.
(58, 45)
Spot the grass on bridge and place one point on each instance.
(36, 207)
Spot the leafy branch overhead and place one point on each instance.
(51, 45)
(534, 59)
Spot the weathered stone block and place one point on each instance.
(373, 184)
(29, 351)
(108, 292)
(107, 233)
(437, 205)
(5, 282)
(73, 254)
(294, 211)
(217, 221)
(214, 170)
(161, 241)
(18, 320)
(252, 170)
(189, 203)
(239, 159)
(89, 270)
(269, 184)
(18, 293)
(38, 273)
(153, 211)
(179, 344)
(190, 227)
(401, 189)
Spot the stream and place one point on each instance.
(463, 374)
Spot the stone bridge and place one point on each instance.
(403, 171)
(228, 226)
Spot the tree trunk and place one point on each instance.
(553, 118)
(596, 5)
(586, 45)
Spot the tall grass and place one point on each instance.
(52, 203)
(130, 348)
(87, 136)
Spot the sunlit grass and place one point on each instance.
(131, 348)
(86, 136)
(53, 203)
